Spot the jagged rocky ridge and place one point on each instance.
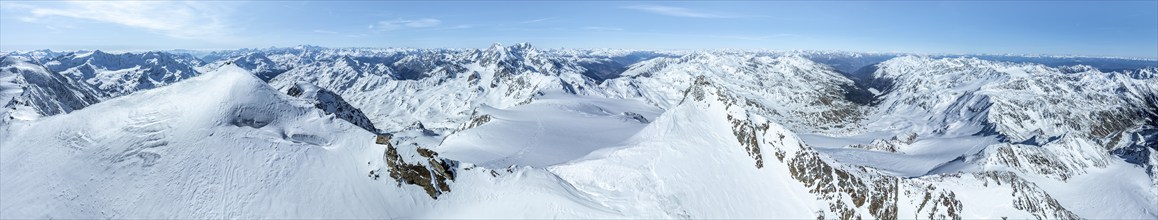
(28, 90)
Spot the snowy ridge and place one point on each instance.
(119, 74)
(804, 95)
(29, 91)
(515, 131)
(451, 84)
(332, 104)
(256, 63)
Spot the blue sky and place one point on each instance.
(1095, 28)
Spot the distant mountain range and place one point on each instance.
(522, 132)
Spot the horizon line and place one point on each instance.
(688, 50)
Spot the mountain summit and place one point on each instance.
(521, 132)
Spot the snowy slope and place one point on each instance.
(550, 130)
(519, 132)
(688, 164)
(225, 145)
(220, 146)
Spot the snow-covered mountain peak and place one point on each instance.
(917, 66)
(510, 131)
(230, 82)
(29, 91)
(222, 136)
(496, 46)
(810, 96)
(1143, 73)
(119, 74)
(521, 54)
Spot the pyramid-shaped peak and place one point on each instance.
(496, 46)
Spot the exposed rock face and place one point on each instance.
(746, 133)
(331, 103)
(1137, 146)
(1060, 160)
(935, 203)
(430, 172)
(476, 119)
(383, 139)
(1027, 196)
(834, 184)
(850, 194)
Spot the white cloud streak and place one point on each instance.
(402, 24)
(535, 21)
(756, 37)
(594, 28)
(184, 20)
(677, 11)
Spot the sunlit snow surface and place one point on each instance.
(226, 144)
(551, 130)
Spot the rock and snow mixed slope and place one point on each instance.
(310, 132)
(226, 145)
(792, 90)
(29, 91)
(438, 88)
(123, 73)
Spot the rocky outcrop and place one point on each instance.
(430, 172)
(846, 191)
(1027, 196)
(332, 104)
(745, 131)
(935, 203)
(892, 145)
(1060, 159)
(476, 119)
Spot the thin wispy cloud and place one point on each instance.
(461, 26)
(325, 32)
(756, 37)
(677, 11)
(535, 21)
(184, 20)
(597, 28)
(403, 24)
